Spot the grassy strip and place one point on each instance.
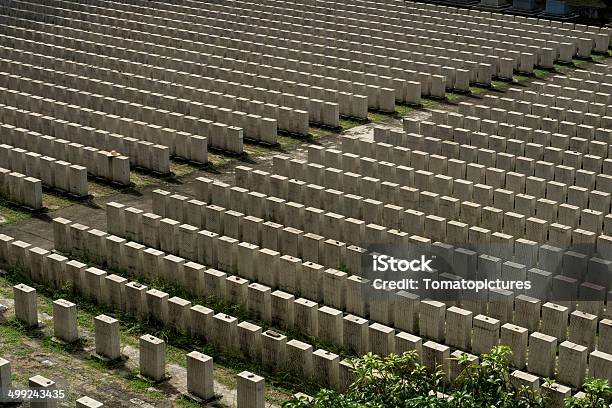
(10, 213)
(221, 306)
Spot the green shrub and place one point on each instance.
(598, 393)
(403, 381)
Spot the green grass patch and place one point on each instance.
(542, 73)
(454, 97)
(143, 386)
(98, 190)
(255, 150)
(183, 169)
(140, 179)
(403, 110)
(400, 111)
(55, 346)
(319, 133)
(187, 403)
(53, 201)
(377, 117)
(98, 364)
(521, 78)
(12, 337)
(348, 123)
(478, 90)
(430, 103)
(217, 159)
(562, 68)
(10, 213)
(578, 62)
(501, 85)
(599, 57)
(286, 142)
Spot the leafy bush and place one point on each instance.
(403, 381)
(598, 393)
